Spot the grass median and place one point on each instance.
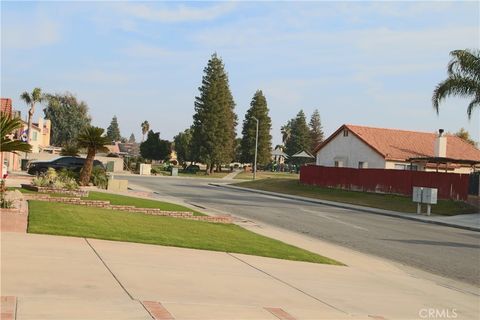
(367, 199)
(80, 221)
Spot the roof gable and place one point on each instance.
(393, 144)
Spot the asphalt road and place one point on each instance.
(449, 252)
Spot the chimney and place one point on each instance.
(440, 147)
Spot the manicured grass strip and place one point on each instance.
(22, 190)
(79, 221)
(374, 200)
(201, 174)
(267, 175)
(116, 199)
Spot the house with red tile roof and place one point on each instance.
(367, 147)
(6, 106)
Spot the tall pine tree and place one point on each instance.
(259, 110)
(214, 121)
(113, 131)
(316, 130)
(300, 139)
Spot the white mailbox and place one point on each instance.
(429, 196)
(417, 194)
(424, 195)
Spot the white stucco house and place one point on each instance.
(367, 147)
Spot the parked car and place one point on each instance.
(69, 163)
(193, 168)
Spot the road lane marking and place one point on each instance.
(325, 216)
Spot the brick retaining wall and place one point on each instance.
(107, 205)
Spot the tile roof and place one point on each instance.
(394, 144)
(6, 105)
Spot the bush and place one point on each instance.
(193, 168)
(40, 181)
(4, 203)
(99, 177)
(68, 174)
(70, 184)
(64, 179)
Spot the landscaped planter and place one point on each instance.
(76, 193)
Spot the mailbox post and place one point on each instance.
(425, 195)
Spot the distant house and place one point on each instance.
(40, 137)
(366, 147)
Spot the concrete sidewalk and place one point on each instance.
(75, 278)
(465, 221)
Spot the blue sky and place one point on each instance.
(365, 63)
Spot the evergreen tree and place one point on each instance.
(214, 121)
(113, 131)
(316, 131)
(258, 109)
(132, 138)
(182, 142)
(154, 148)
(465, 135)
(69, 117)
(300, 139)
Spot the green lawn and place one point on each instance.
(79, 221)
(375, 200)
(267, 175)
(201, 174)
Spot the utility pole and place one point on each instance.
(256, 149)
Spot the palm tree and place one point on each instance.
(8, 126)
(31, 99)
(145, 127)
(93, 140)
(286, 131)
(463, 79)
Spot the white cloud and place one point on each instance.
(30, 33)
(180, 13)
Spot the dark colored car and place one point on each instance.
(193, 168)
(69, 163)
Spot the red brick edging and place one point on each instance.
(8, 307)
(280, 313)
(15, 219)
(157, 311)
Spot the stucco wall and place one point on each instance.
(350, 148)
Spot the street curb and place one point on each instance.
(349, 206)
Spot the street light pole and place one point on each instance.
(256, 148)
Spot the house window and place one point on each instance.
(338, 164)
(362, 165)
(413, 167)
(345, 133)
(34, 135)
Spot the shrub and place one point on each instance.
(99, 177)
(57, 184)
(4, 203)
(63, 179)
(51, 175)
(70, 184)
(66, 174)
(40, 181)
